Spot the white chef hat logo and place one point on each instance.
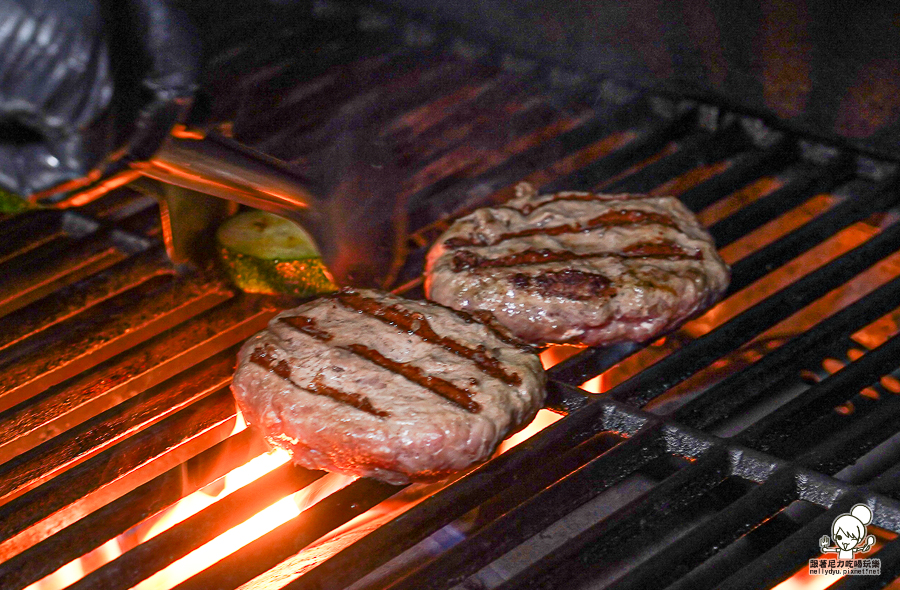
(848, 531)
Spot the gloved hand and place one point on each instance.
(88, 87)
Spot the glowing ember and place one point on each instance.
(557, 354)
(803, 581)
(278, 513)
(186, 507)
(543, 419)
(595, 385)
(237, 478)
(248, 531)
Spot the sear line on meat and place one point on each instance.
(578, 267)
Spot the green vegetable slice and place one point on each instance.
(11, 204)
(265, 253)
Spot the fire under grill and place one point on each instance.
(715, 457)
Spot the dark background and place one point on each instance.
(831, 69)
(828, 69)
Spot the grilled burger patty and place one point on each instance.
(578, 267)
(367, 383)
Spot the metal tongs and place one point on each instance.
(351, 213)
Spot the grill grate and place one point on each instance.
(717, 457)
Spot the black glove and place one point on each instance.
(89, 87)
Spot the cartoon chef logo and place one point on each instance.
(848, 533)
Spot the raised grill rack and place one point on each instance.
(699, 471)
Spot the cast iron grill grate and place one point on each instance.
(716, 457)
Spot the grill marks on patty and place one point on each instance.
(407, 429)
(666, 250)
(570, 284)
(490, 322)
(442, 387)
(579, 267)
(264, 357)
(455, 394)
(611, 218)
(417, 324)
(307, 326)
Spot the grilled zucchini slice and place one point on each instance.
(265, 253)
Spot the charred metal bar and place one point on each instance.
(565, 399)
(738, 554)
(534, 514)
(390, 91)
(579, 557)
(720, 402)
(592, 362)
(63, 452)
(516, 465)
(778, 432)
(126, 375)
(888, 483)
(31, 230)
(566, 465)
(66, 349)
(70, 301)
(696, 149)
(119, 207)
(853, 440)
(432, 128)
(153, 555)
(650, 139)
(285, 541)
(527, 124)
(788, 556)
(53, 265)
(717, 530)
(742, 168)
(700, 352)
(889, 557)
(239, 69)
(804, 181)
(427, 205)
(858, 206)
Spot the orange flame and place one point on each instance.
(558, 353)
(266, 520)
(251, 529)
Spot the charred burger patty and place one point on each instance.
(577, 267)
(366, 383)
